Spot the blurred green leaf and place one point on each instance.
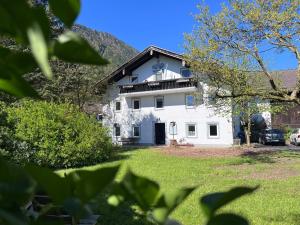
(72, 48)
(15, 63)
(212, 202)
(16, 187)
(17, 86)
(19, 17)
(143, 190)
(66, 10)
(10, 218)
(55, 186)
(227, 219)
(39, 48)
(91, 183)
(168, 202)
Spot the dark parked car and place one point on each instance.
(271, 136)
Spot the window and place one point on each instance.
(213, 130)
(136, 104)
(159, 102)
(185, 72)
(134, 79)
(118, 106)
(158, 75)
(190, 101)
(191, 130)
(136, 131)
(99, 117)
(117, 130)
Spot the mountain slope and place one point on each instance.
(116, 51)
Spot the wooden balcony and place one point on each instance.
(158, 85)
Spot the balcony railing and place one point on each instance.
(158, 85)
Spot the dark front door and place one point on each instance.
(160, 134)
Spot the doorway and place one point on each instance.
(160, 134)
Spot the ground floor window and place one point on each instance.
(191, 130)
(136, 131)
(117, 130)
(213, 130)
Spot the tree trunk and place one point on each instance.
(247, 130)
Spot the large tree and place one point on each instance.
(223, 43)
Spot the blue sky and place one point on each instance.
(141, 23)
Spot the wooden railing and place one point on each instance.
(158, 85)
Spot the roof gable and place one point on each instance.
(140, 59)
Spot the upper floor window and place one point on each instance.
(136, 104)
(159, 102)
(185, 72)
(190, 101)
(134, 79)
(158, 75)
(118, 106)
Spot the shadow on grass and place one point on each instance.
(259, 157)
(267, 156)
(121, 152)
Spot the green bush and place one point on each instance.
(55, 135)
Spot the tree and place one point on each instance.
(246, 30)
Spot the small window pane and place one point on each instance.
(213, 130)
(118, 106)
(134, 79)
(190, 100)
(159, 103)
(191, 130)
(159, 75)
(136, 104)
(136, 131)
(185, 73)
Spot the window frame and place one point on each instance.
(133, 100)
(187, 129)
(118, 110)
(184, 68)
(155, 102)
(139, 129)
(134, 76)
(208, 130)
(188, 106)
(115, 131)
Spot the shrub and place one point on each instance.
(57, 135)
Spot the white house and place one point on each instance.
(153, 99)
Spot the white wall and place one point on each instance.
(174, 110)
(144, 72)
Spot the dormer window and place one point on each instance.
(134, 79)
(185, 72)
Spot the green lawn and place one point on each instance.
(277, 201)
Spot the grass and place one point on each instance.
(277, 201)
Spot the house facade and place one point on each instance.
(153, 99)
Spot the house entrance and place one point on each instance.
(160, 134)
